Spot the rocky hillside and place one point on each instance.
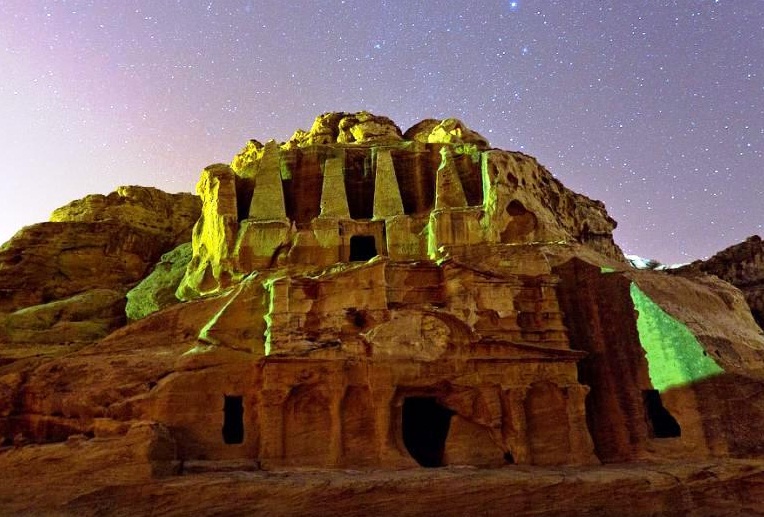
(65, 280)
(742, 265)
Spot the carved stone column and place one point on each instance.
(581, 445)
(514, 425)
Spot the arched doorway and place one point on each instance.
(425, 425)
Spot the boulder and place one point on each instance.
(346, 128)
(446, 131)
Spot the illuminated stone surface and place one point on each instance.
(157, 290)
(674, 356)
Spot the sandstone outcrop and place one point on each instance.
(742, 265)
(669, 354)
(169, 216)
(99, 243)
(87, 316)
(361, 297)
(157, 290)
(144, 452)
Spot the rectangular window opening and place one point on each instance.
(233, 419)
(362, 248)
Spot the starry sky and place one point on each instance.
(655, 107)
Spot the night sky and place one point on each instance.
(655, 107)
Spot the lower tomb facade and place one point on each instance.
(394, 374)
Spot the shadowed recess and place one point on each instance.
(662, 422)
(467, 163)
(425, 429)
(359, 183)
(302, 183)
(415, 172)
(362, 248)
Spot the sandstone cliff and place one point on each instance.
(361, 297)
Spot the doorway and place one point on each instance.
(233, 419)
(362, 248)
(662, 423)
(425, 426)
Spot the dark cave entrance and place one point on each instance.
(425, 429)
(662, 423)
(362, 248)
(233, 419)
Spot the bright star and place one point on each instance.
(513, 5)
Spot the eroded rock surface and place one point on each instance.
(157, 290)
(742, 265)
(169, 216)
(87, 316)
(144, 452)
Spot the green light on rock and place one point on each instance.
(674, 355)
